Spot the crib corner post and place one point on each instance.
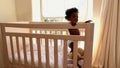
(88, 45)
(3, 47)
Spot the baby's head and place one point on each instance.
(72, 15)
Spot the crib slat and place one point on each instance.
(55, 54)
(18, 51)
(65, 54)
(32, 53)
(75, 54)
(47, 53)
(24, 50)
(39, 53)
(12, 49)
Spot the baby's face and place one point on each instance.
(73, 18)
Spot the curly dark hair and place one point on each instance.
(70, 11)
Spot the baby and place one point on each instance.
(72, 16)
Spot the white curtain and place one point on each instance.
(107, 55)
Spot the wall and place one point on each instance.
(15, 10)
(7, 11)
(23, 10)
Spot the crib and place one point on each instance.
(44, 44)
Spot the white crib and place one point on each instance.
(44, 45)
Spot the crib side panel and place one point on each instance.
(39, 40)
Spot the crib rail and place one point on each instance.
(43, 25)
(12, 38)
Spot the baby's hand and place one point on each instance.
(88, 21)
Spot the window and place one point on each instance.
(54, 10)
